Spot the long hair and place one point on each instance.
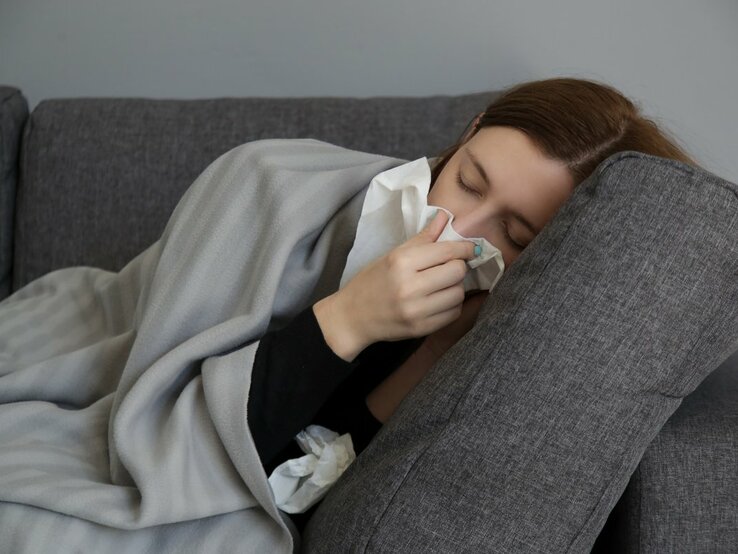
(576, 121)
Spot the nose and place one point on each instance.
(475, 223)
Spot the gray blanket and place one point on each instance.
(123, 424)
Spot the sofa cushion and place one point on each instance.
(102, 176)
(694, 457)
(13, 114)
(524, 435)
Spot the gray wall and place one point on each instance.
(676, 58)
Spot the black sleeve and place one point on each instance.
(294, 372)
(346, 411)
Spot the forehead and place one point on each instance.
(509, 146)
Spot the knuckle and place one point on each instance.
(406, 314)
(395, 261)
(452, 249)
(391, 258)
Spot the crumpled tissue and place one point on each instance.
(396, 208)
(299, 483)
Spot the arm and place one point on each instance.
(294, 371)
(384, 399)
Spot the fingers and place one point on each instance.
(450, 298)
(435, 226)
(441, 319)
(432, 229)
(441, 277)
(443, 301)
(424, 256)
(424, 251)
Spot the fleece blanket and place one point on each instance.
(123, 396)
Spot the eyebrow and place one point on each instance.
(520, 217)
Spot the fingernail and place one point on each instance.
(477, 250)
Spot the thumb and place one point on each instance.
(434, 227)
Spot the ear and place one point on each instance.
(472, 127)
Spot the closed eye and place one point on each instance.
(470, 190)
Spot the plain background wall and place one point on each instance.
(675, 58)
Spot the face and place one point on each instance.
(521, 180)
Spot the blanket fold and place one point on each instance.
(123, 395)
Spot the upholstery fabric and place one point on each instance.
(102, 175)
(524, 435)
(13, 114)
(683, 497)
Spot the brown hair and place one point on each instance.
(576, 121)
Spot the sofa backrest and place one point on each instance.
(99, 177)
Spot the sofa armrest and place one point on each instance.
(13, 115)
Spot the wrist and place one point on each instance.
(337, 327)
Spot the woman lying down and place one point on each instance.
(210, 393)
(343, 365)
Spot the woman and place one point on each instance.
(504, 180)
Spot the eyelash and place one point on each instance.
(461, 184)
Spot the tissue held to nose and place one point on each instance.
(396, 208)
(483, 278)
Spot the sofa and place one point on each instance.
(93, 181)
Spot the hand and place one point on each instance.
(443, 339)
(412, 291)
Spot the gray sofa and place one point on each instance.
(93, 181)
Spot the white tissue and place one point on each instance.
(299, 483)
(396, 208)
